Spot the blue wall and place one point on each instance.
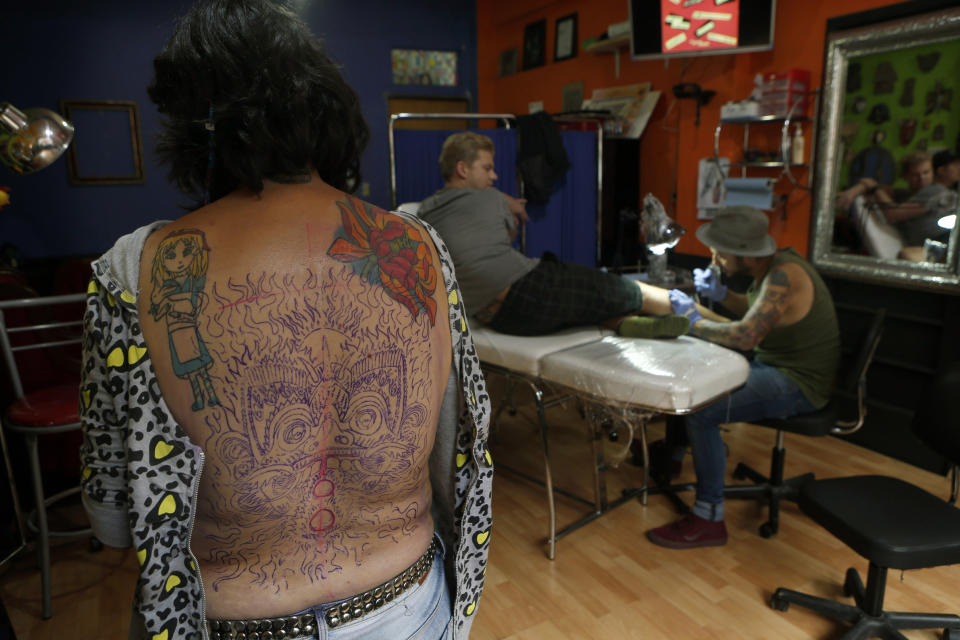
(361, 33)
(104, 51)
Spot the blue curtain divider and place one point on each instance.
(566, 225)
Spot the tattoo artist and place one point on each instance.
(786, 318)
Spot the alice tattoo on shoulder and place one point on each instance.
(178, 276)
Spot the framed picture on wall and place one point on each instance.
(416, 66)
(534, 44)
(566, 38)
(573, 96)
(508, 62)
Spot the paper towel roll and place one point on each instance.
(752, 192)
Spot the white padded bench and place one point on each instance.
(672, 376)
(628, 379)
(523, 354)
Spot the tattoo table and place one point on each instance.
(625, 380)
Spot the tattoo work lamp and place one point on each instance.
(32, 139)
(660, 233)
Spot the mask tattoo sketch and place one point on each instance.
(178, 275)
(322, 442)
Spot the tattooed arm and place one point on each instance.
(766, 312)
(735, 303)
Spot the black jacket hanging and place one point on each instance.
(541, 158)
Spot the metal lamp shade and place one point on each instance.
(33, 138)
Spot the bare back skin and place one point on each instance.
(301, 339)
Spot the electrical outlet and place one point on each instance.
(536, 105)
(365, 189)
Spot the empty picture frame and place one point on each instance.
(534, 44)
(106, 145)
(566, 38)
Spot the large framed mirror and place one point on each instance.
(887, 147)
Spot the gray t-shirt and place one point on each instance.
(476, 224)
(939, 201)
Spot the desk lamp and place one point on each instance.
(33, 138)
(660, 233)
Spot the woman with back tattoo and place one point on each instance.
(325, 472)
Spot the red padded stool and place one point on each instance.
(41, 412)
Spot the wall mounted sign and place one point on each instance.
(566, 38)
(534, 44)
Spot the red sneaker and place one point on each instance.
(690, 532)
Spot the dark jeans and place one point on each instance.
(768, 393)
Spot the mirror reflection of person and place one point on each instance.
(938, 199)
(946, 169)
(787, 319)
(916, 169)
(915, 212)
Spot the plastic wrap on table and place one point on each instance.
(670, 375)
(523, 354)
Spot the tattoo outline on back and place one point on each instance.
(387, 251)
(303, 364)
(178, 274)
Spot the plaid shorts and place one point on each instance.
(556, 295)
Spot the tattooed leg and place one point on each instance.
(212, 398)
(197, 392)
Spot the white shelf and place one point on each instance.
(752, 119)
(611, 45)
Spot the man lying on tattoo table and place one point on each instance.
(283, 412)
(787, 318)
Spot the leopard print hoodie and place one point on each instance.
(141, 472)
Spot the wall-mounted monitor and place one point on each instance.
(679, 28)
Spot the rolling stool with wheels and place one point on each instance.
(894, 525)
(822, 422)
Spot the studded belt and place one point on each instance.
(299, 625)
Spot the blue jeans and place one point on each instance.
(423, 613)
(768, 393)
(420, 613)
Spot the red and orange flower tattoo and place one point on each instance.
(385, 250)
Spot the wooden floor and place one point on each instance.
(608, 581)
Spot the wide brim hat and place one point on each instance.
(739, 231)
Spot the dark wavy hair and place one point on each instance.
(280, 106)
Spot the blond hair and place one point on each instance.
(914, 158)
(191, 238)
(464, 146)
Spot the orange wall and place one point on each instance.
(671, 132)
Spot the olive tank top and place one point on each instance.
(807, 351)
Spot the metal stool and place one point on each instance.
(41, 412)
